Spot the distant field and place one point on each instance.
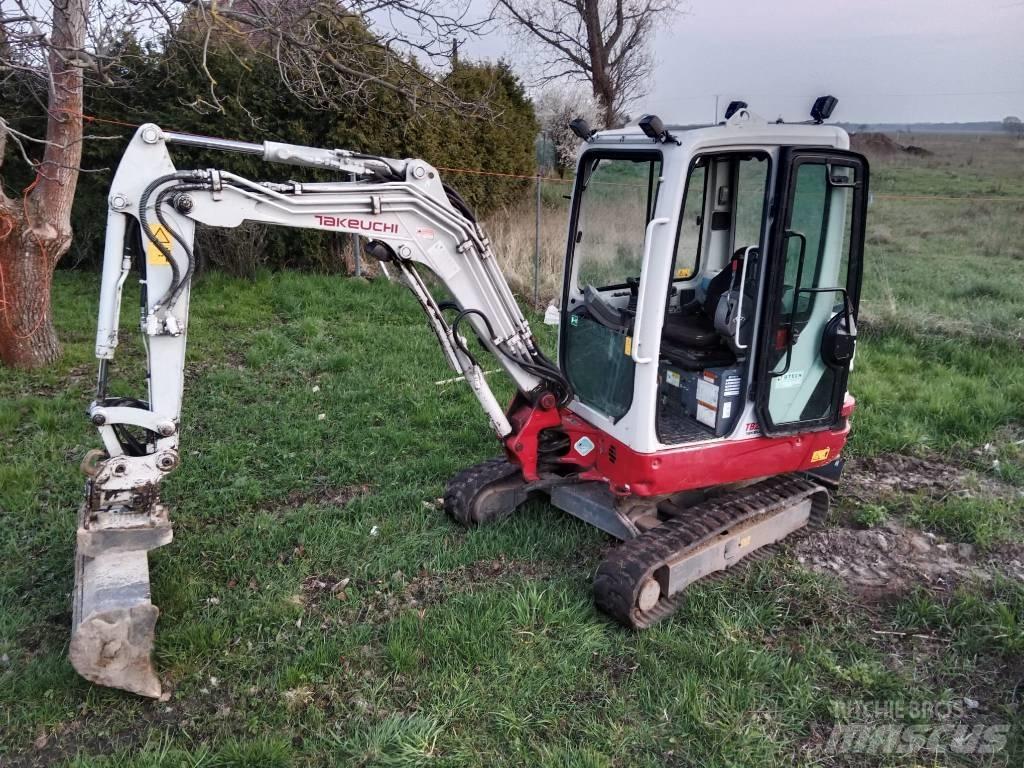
(482, 648)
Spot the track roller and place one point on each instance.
(643, 580)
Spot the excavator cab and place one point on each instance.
(711, 283)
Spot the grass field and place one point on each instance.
(319, 609)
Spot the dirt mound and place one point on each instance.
(913, 149)
(874, 144)
(894, 559)
(881, 145)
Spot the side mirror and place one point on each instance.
(839, 337)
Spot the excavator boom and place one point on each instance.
(413, 220)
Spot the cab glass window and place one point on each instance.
(691, 226)
(617, 201)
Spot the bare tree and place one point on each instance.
(556, 106)
(54, 45)
(605, 43)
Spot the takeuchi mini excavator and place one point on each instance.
(698, 405)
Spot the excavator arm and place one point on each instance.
(411, 219)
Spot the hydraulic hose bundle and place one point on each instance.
(178, 280)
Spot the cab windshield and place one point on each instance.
(616, 196)
(617, 201)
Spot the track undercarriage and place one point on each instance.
(669, 543)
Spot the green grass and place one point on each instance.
(976, 620)
(475, 648)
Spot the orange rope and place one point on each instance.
(4, 304)
(94, 119)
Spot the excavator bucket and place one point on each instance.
(113, 619)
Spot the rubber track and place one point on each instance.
(621, 574)
(464, 487)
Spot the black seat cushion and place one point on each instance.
(699, 359)
(693, 325)
(688, 330)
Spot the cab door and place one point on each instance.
(809, 327)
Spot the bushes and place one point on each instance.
(496, 135)
(493, 130)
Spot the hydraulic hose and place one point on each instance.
(460, 205)
(176, 277)
(176, 288)
(144, 222)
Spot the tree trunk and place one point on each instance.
(605, 96)
(27, 336)
(600, 81)
(35, 231)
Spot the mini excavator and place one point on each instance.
(698, 406)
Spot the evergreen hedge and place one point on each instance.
(491, 127)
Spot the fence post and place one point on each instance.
(536, 251)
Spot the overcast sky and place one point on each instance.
(886, 60)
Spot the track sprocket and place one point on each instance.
(485, 493)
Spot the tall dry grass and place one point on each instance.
(512, 230)
(611, 246)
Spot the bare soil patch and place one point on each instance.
(381, 600)
(872, 479)
(893, 559)
(336, 495)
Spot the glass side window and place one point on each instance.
(617, 201)
(751, 180)
(816, 250)
(691, 225)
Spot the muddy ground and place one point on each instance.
(892, 558)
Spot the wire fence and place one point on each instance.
(548, 227)
(534, 249)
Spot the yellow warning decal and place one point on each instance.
(683, 272)
(153, 254)
(629, 345)
(821, 455)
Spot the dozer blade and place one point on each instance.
(113, 619)
(643, 580)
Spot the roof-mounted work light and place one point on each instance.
(653, 128)
(822, 109)
(581, 128)
(734, 107)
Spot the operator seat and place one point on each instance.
(689, 336)
(693, 325)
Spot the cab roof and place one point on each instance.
(743, 128)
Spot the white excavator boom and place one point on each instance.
(411, 218)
